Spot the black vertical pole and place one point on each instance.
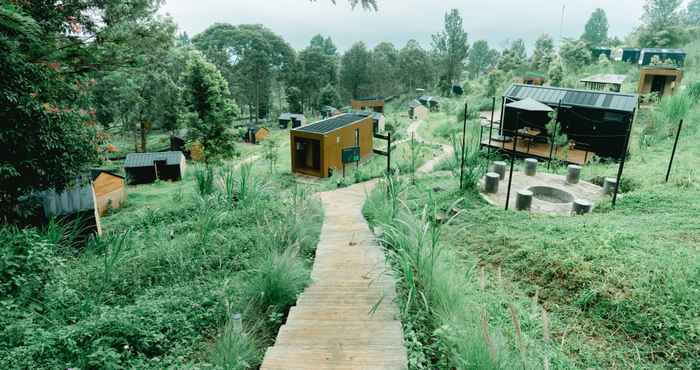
(493, 113)
(673, 153)
(551, 144)
(622, 160)
(503, 110)
(464, 143)
(512, 158)
(388, 153)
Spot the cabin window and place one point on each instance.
(357, 137)
(613, 117)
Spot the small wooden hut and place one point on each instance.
(110, 190)
(255, 135)
(416, 110)
(373, 103)
(316, 149)
(291, 119)
(604, 82)
(534, 78)
(664, 81)
(430, 102)
(145, 168)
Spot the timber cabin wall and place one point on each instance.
(109, 191)
(296, 167)
(332, 149)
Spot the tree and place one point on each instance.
(384, 72)
(314, 68)
(451, 47)
(596, 31)
(481, 58)
(495, 79)
(249, 57)
(415, 68)
(555, 74)
(328, 97)
(354, 70)
(543, 54)
(692, 16)
(662, 26)
(49, 56)
(209, 109)
(325, 44)
(366, 4)
(575, 54)
(514, 57)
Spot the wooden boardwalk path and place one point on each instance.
(333, 325)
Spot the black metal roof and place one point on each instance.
(366, 98)
(663, 51)
(148, 159)
(331, 124)
(574, 97)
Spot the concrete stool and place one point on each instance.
(530, 166)
(581, 206)
(523, 201)
(499, 167)
(573, 174)
(491, 183)
(609, 185)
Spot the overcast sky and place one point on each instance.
(398, 21)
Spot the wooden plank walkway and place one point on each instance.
(333, 325)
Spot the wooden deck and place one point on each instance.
(346, 318)
(540, 151)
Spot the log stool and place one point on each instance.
(491, 183)
(573, 174)
(530, 166)
(609, 185)
(499, 167)
(581, 207)
(523, 201)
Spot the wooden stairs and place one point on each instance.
(346, 319)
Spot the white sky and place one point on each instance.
(398, 21)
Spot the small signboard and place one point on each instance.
(351, 154)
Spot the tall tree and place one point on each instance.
(596, 31)
(662, 26)
(325, 44)
(692, 16)
(249, 56)
(514, 57)
(575, 54)
(384, 70)
(354, 70)
(481, 58)
(49, 55)
(543, 54)
(210, 111)
(451, 47)
(415, 67)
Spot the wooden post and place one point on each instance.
(673, 152)
(493, 112)
(554, 134)
(388, 153)
(464, 136)
(512, 159)
(622, 161)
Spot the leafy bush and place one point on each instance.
(26, 261)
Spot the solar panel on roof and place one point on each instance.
(331, 124)
(573, 97)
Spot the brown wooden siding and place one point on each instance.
(109, 192)
(332, 144)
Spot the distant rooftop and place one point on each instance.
(148, 159)
(664, 51)
(331, 124)
(605, 79)
(574, 97)
(368, 98)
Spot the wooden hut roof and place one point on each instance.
(95, 172)
(574, 97)
(148, 159)
(331, 124)
(605, 79)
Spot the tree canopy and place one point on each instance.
(451, 47)
(354, 70)
(596, 31)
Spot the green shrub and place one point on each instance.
(26, 261)
(204, 178)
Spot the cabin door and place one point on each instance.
(658, 84)
(161, 169)
(308, 154)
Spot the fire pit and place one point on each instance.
(551, 195)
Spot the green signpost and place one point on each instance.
(350, 155)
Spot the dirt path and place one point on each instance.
(430, 165)
(332, 325)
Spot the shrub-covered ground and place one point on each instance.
(160, 287)
(481, 287)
